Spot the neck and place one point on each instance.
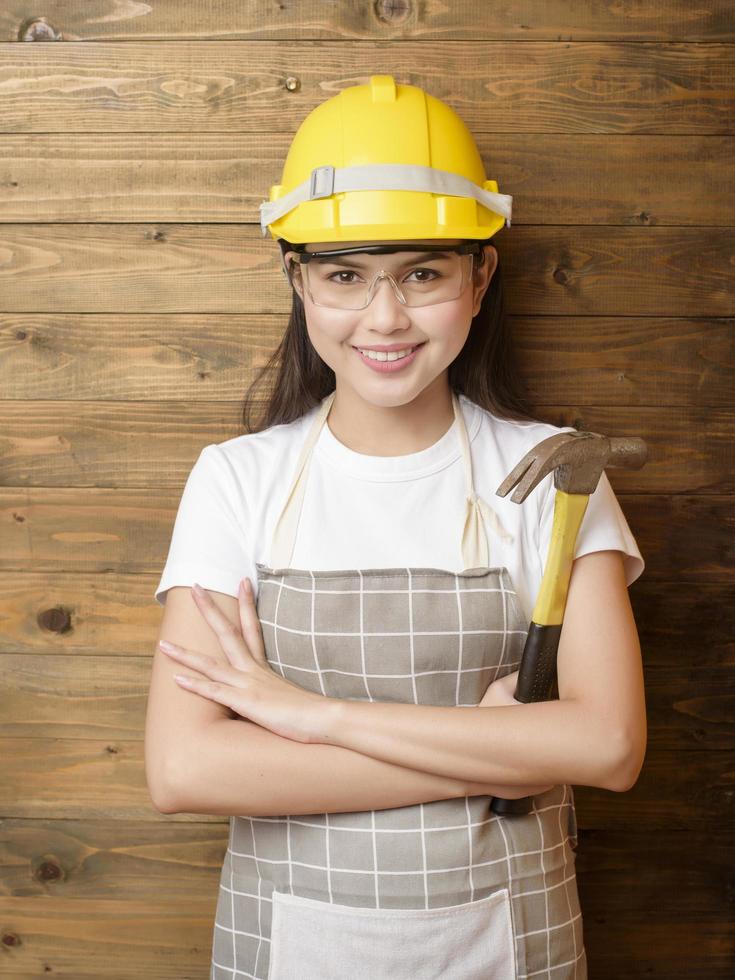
(391, 430)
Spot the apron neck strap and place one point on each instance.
(474, 537)
(284, 534)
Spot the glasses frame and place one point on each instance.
(303, 256)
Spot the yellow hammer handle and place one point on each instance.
(569, 510)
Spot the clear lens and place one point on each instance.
(419, 279)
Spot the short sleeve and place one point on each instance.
(604, 528)
(208, 543)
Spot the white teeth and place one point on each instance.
(379, 355)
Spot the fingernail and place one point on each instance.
(166, 646)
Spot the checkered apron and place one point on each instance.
(444, 889)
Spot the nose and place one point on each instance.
(384, 300)
(381, 278)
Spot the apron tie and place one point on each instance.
(479, 516)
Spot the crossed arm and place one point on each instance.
(593, 735)
(376, 755)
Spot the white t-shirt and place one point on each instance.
(363, 511)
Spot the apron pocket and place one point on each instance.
(314, 940)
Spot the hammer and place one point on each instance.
(577, 459)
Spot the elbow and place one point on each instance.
(161, 789)
(627, 764)
(164, 802)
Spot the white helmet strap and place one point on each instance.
(325, 181)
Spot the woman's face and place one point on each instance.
(441, 329)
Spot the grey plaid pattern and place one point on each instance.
(417, 636)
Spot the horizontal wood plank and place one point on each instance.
(605, 360)
(684, 622)
(632, 872)
(206, 269)
(79, 779)
(554, 179)
(112, 939)
(54, 859)
(679, 790)
(681, 623)
(91, 882)
(125, 445)
(82, 879)
(675, 947)
(269, 86)
(342, 20)
(104, 697)
(104, 779)
(53, 531)
(75, 860)
(80, 860)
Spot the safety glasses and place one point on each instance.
(427, 276)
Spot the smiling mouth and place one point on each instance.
(390, 355)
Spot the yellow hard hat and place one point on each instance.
(383, 162)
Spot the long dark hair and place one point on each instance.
(485, 370)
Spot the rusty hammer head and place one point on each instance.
(577, 459)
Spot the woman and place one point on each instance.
(383, 592)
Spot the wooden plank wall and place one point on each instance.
(137, 298)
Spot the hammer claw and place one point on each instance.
(577, 460)
(515, 475)
(533, 467)
(538, 469)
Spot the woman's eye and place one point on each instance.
(332, 279)
(430, 271)
(422, 273)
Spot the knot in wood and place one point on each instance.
(38, 29)
(48, 871)
(55, 620)
(393, 11)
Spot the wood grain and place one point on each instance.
(227, 270)
(89, 530)
(678, 362)
(84, 894)
(139, 444)
(679, 622)
(554, 20)
(138, 300)
(555, 178)
(104, 779)
(92, 697)
(516, 86)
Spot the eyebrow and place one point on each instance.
(352, 260)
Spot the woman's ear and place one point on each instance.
(285, 256)
(483, 276)
(293, 280)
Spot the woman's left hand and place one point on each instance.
(247, 684)
(500, 693)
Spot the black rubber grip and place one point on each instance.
(511, 808)
(536, 682)
(538, 663)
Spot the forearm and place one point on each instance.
(237, 767)
(540, 742)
